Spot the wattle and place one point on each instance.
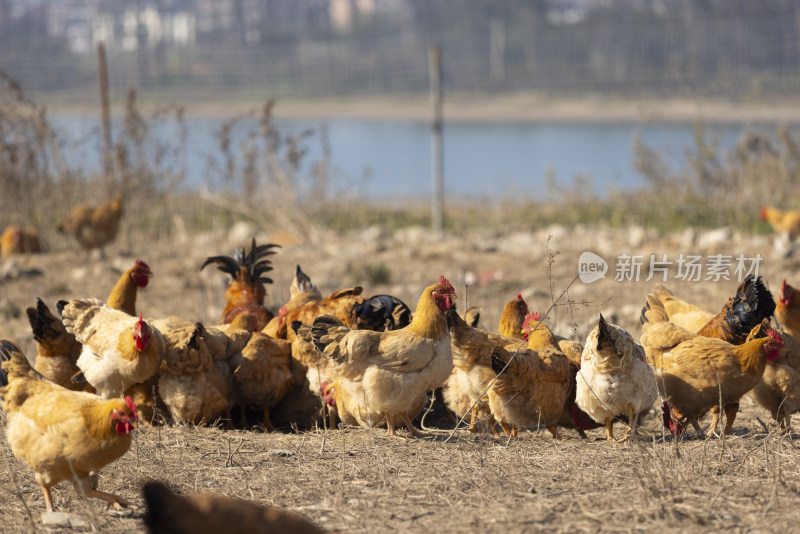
(124, 428)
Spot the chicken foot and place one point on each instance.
(117, 502)
(410, 426)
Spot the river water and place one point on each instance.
(390, 159)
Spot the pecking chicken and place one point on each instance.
(62, 434)
(782, 221)
(695, 373)
(396, 367)
(466, 388)
(779, 389)
(123, 294)
(57, 350)
(118, 350)
(263, 373)
(191, 385)
(787, 311)
(614, 378)
(168, 513)
(245, 291)
(539, 336)
(16, 240)
(381, 312)
(93, 227)
(531, 389)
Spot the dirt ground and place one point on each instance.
(359, 480)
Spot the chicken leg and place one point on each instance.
(730, 416)
(48, 499)
(610, 430)
(506, 429)
(714, 420)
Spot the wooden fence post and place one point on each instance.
(437, 200)
(105, 108)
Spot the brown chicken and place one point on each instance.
(263, 373)
(123, 294)
(751, 304)
(531, 389)
(779, 388)
(192, 387)
(513, 318)
(682, 313)
(787, 311)
(782, 221)
(57, 350)
(118, 350)
(16, 240)
(341, 304)
(62, 434)
(245, 291)
(93, 227)
(301, 291)
(168, 513)
(394, 368)
(222, 340)
(466, 388)
(540, 337)
(695, 373)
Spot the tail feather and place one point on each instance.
(77, 315)
(653, 311)
(502, 359)
(43, 323)
(49, 332)
(14, 363)
(323, 331)
(752, 304)
(497, 363)
(605, 334)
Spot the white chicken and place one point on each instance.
(614, 378)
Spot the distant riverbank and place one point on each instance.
(516, 107)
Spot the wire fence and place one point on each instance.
(736, 57)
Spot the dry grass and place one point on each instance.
(356, 480)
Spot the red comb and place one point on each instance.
(774, 335)
(142, 265)
(132, 408)
(519, 296)
(531, 318)
(443, 280)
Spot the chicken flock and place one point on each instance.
(319, 360)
